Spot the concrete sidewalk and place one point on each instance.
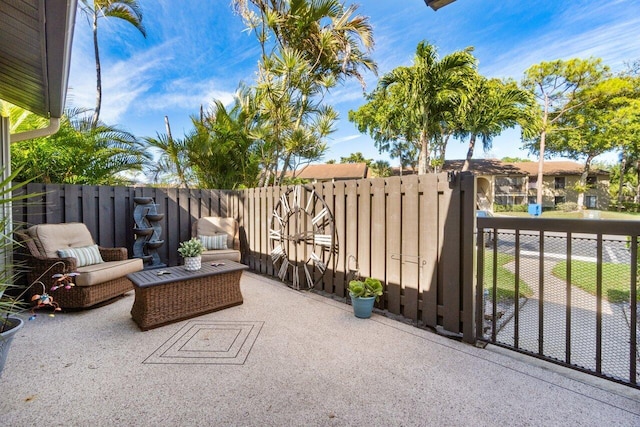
(285, 358)
(615, 327)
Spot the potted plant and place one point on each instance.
(9, 306)
(363, 295)
(191, 251)
(10, 303)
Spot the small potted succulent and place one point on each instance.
(191, 251)
(364, 293)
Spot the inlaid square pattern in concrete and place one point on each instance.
(208, 342)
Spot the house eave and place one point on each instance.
(35, 53)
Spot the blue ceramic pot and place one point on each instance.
(362, 306)
(6, 337)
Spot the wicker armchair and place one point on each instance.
(96, 283)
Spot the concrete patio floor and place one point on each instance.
(285, 358)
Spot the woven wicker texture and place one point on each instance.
(191, 295)
(77, 296)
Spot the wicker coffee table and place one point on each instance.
(172, 294)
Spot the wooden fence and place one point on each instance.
(414, 233)
(108, 211)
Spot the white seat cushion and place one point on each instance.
(49, 238)
(103, 272)
(211, 225)
(220, 254)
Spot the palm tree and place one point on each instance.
(432, 89)
(327, 35)
(380, 169)
(80, 153)
(172, 165)
(220, 150)
(127, 10)
(308, 47)
(491, 107)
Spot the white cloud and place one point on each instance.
(187, 94)
(614, 43)
(123, 82)
(347, 93)
(346, 139)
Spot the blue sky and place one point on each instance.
(197, 51)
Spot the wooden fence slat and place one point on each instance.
(352, 218)
(89, 209)
(172, 234)
(54, 206)
(35, 206)
(244, 211)
(194, 205)
(71, 200)
(121, 232)
(161, 200)
(468, 200)
(328, 277)
(450, 256)
(318, 187)
(394, 249)
(411, 259)
(184, 217)
(271, 199)
(364, 227)
(106, 217)
(341, 226)
(264, 220)
(378, 233)
(429, 248)
(253, 232)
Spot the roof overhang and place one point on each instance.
(35, 53)
(437, 4)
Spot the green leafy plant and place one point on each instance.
(368, 287)
(191, 248)
(13, 304)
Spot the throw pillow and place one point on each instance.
(86, 255)
(217, 241)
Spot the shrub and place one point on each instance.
(567, 207)
(509, 208)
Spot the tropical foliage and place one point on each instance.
(80, 154)
(560, 87)
(491, 107)
(308, 47)
(418, 104)
(282, 121)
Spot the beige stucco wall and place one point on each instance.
(486, 185)
(601, 191)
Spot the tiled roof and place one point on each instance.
(337, 171)
(498, 167)
(552, 167)
(477, 166)
(485, 167)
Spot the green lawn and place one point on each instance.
(505, 279)
(615, 278)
